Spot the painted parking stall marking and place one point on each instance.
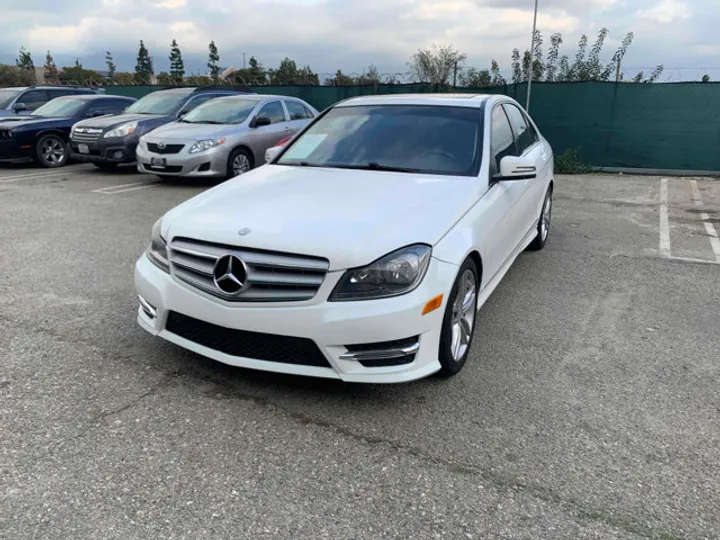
(115, 190)
(709, 227)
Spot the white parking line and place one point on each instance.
(8, 179)
(114, 190)
(709, 227)
(664, 220)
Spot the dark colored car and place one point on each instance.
(43, 135)
(107, 142)
(22, 100)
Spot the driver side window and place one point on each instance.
(502, 141)
(274, 111)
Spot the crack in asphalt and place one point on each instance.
(503, 483)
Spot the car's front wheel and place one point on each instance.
(239, 162)
(543, 226)
(52, 151)
(458, 325)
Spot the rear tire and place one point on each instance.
(543, 227)
(51, 151)
(239, 162)
(458, 326)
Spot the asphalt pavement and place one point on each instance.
(589, 408)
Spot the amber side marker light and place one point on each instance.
(433, 304)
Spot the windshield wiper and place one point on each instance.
(372, 166)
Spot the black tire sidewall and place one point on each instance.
(539, 242)
(233, 155)
(449, 366)
(38, 154)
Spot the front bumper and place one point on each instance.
(115, 150)
(209, 164)
(367, 327)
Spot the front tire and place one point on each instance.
(239, 162)
(52, 151)
(458, 325)
(543, 227)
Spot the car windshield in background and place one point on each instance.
(407, 138)
(6, 97)
(221, 111)
(157, 104)
(60, 107)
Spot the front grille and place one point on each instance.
(5, 134)
(255, 345)
(86, 135)
(168, 149)
(271, 276)
(160, 170)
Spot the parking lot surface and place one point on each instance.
(589, 408)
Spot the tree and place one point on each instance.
(143, 67)
(516, 67)
(436, 64)
(24, 60)
(538, 64)
(577, 71)
(15, 76)
(497, 78)
(213, 61)
(124, 78)
(474, 78)
(706, 78)
(110, 63)
(51, 71)
(78, 75)
(288, 73)
(551, 68)
(255, 74)
(593, 68)
(177, 66)
(369, 76)
(340, 79)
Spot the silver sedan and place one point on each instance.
(222, 138)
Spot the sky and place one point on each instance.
(352, 34)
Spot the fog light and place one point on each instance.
(147, 308)
(118, 154)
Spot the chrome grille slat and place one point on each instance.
(85, 137)
(272, 276)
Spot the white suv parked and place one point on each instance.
(364, 249)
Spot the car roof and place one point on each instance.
(199, 90)
(457, 100)
(261, 97)
(93, 97)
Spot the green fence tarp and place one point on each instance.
(626, 125)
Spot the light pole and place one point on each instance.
(532, 55)
(244, 60)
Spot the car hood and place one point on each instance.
(347, 216)
(107, 122)
(198, 132)
(22, 121)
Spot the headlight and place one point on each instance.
(157, 251)
(122, 131)
(397, 273)
(201, 146)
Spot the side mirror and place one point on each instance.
(516, 168)
(272, 153)
(260, 121)
(19, 107)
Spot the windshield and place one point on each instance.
(407, 138)
(6, 97)
(221, 111)
(60, 107)
(159, 103)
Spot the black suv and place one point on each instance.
(107, 142)
(25, 99)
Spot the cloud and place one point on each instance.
(666, 11)
(332, 34)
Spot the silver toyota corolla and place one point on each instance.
(222, 138)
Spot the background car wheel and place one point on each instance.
(52, 151)
(239, 162)
(106, 166)
(458, 325)
(543, 228)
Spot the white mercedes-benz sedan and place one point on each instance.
(363, 250)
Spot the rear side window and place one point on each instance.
(34, 98)
(297, 111)
(524, 135)
(502, 141)
(274, 111)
